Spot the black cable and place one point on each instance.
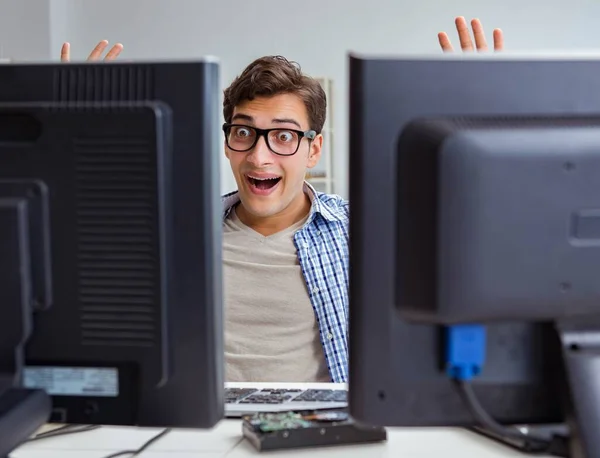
(72, 429)
(63, 431)
(513, 437)
(147, 444)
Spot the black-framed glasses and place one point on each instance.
(284, 142)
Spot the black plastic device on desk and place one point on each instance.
(307, 428)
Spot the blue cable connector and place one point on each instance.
(465, 351)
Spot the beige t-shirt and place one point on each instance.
(271, 333)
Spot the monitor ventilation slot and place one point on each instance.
(103, 83)
(118, 280)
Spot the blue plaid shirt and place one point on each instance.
(322, 246)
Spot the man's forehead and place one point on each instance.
(267, 109)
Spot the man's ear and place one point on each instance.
(226, 149)
(315, 151)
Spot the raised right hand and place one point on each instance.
(96, 54)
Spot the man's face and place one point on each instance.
(269, 183)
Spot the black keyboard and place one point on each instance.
(280, 396)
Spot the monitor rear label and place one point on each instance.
(73, 381)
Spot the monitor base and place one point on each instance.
(557, 445)
(22, 412)
(579, 359)
(576, 344)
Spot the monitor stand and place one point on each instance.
(579, 341)
(24, 274)
(576, 344)
(22, 412)
(556, 441)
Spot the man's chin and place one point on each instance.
(257, 207)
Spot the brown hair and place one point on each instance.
(273, 75)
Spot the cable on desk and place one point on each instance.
(465, 356)
(63, 431)
(147, 444)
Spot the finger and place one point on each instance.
(445, 42)
(98, 50)
(65, 52)
(498, 40)
(114, 52)
(463, 34)
(479, 35)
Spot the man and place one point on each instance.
(285, 246)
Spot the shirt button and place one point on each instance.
(315, 290)
(329, 336)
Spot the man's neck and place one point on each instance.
(295, 212)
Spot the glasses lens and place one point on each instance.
(241, 138)
(283, 141)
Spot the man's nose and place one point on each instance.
(260, 154)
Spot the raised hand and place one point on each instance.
(96, 54)
(464, 36)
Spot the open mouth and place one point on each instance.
(263, 183)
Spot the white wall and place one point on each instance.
(316, 33)
(25, 29)
(59, 20)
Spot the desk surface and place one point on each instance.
(226, 440)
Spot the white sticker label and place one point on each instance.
(73, 381)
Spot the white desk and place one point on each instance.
(226, 441)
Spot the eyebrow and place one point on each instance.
(245, 117)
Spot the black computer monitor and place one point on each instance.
(475, 197)
(110, 215)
